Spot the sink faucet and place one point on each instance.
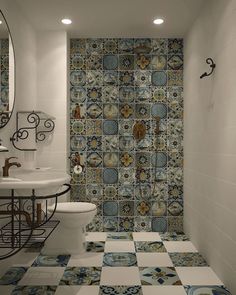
(7, 165)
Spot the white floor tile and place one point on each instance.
(42, 276)
(146, 236)
(26, 259)
(198, 276)
(6, 290)
(163, 290)
(86, 259)
(121, 246)
(153, 259)
(77, 290)
(179, 246)
(96, 236)
(125, 276)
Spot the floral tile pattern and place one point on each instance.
(187, 259)
(95, 246)
(45, 260)
(115, 83)
(119, 236)
(13, 275)
(120, 290)
(150, 247)
(81, 276)
(39, 290)
(119, 259)
(206, 290)
(174, 236)
(159, 276)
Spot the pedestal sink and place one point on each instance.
(43, 181)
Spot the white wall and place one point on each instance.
(210, 138)
(25, 53)
(52, 96)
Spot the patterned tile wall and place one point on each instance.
(4, 75)
(114, 84)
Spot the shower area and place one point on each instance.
(126, 132)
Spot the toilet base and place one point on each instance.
(65, 241)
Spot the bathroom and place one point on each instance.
(115, 117)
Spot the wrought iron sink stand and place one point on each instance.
(29, 224)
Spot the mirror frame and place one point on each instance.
(14, 71)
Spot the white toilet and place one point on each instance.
(69, 235)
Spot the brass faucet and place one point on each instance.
(7, 165)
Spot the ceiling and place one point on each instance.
(113, 18)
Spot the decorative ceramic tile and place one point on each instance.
(119, 236)
(110, 208)
(46, 260)
(206, 290)
(81, 276)
(49, 290)
(121, 290)
(119, 259)
(114, 84)
(187, 259)
(150, 247)
(110, 224)
(95, 246)
(175, 224)
(174, 236)
(126, 208)
(159, 276)
(13, 275)
(96, 225)
(159, 224)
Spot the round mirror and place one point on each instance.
(7, 72)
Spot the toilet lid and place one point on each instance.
(74, 207)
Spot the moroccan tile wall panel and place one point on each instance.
(4, 75)
(115, 83)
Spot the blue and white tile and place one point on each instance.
(119, 259)
(13, 275)
(81, 276)
(159, 276)
(48, 290)
(119, 236)
(51, 260)
(121, 290)
(206, 290)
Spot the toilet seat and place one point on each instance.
(74, 207)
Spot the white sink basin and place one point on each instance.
(43, 181)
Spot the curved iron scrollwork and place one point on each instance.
(28, 223)
(49, 126)
(210, 62)
(4, 117)
(34, 120)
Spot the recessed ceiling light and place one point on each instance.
(0, 22)
(66, 21)
(158, 21)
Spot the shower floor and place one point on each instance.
(140, 263)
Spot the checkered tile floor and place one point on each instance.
(117, 263)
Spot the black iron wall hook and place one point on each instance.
(212, 66)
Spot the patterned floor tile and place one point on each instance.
(120, 290)
(150, 247)
(39, 290)
(173, 236)
(163, 290)
(153, 259)
(13, 275)
(86, 259)
(178, 246)
(159, 276)
(187, 259)
(120, 276)
(119, 236)
(95, 246)
(198, 276)
(121, 246)
(119, 259)
(42, 276)
(146, 236)
(77, 290)
(50, 260)
(206, 290)
(81, 276)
